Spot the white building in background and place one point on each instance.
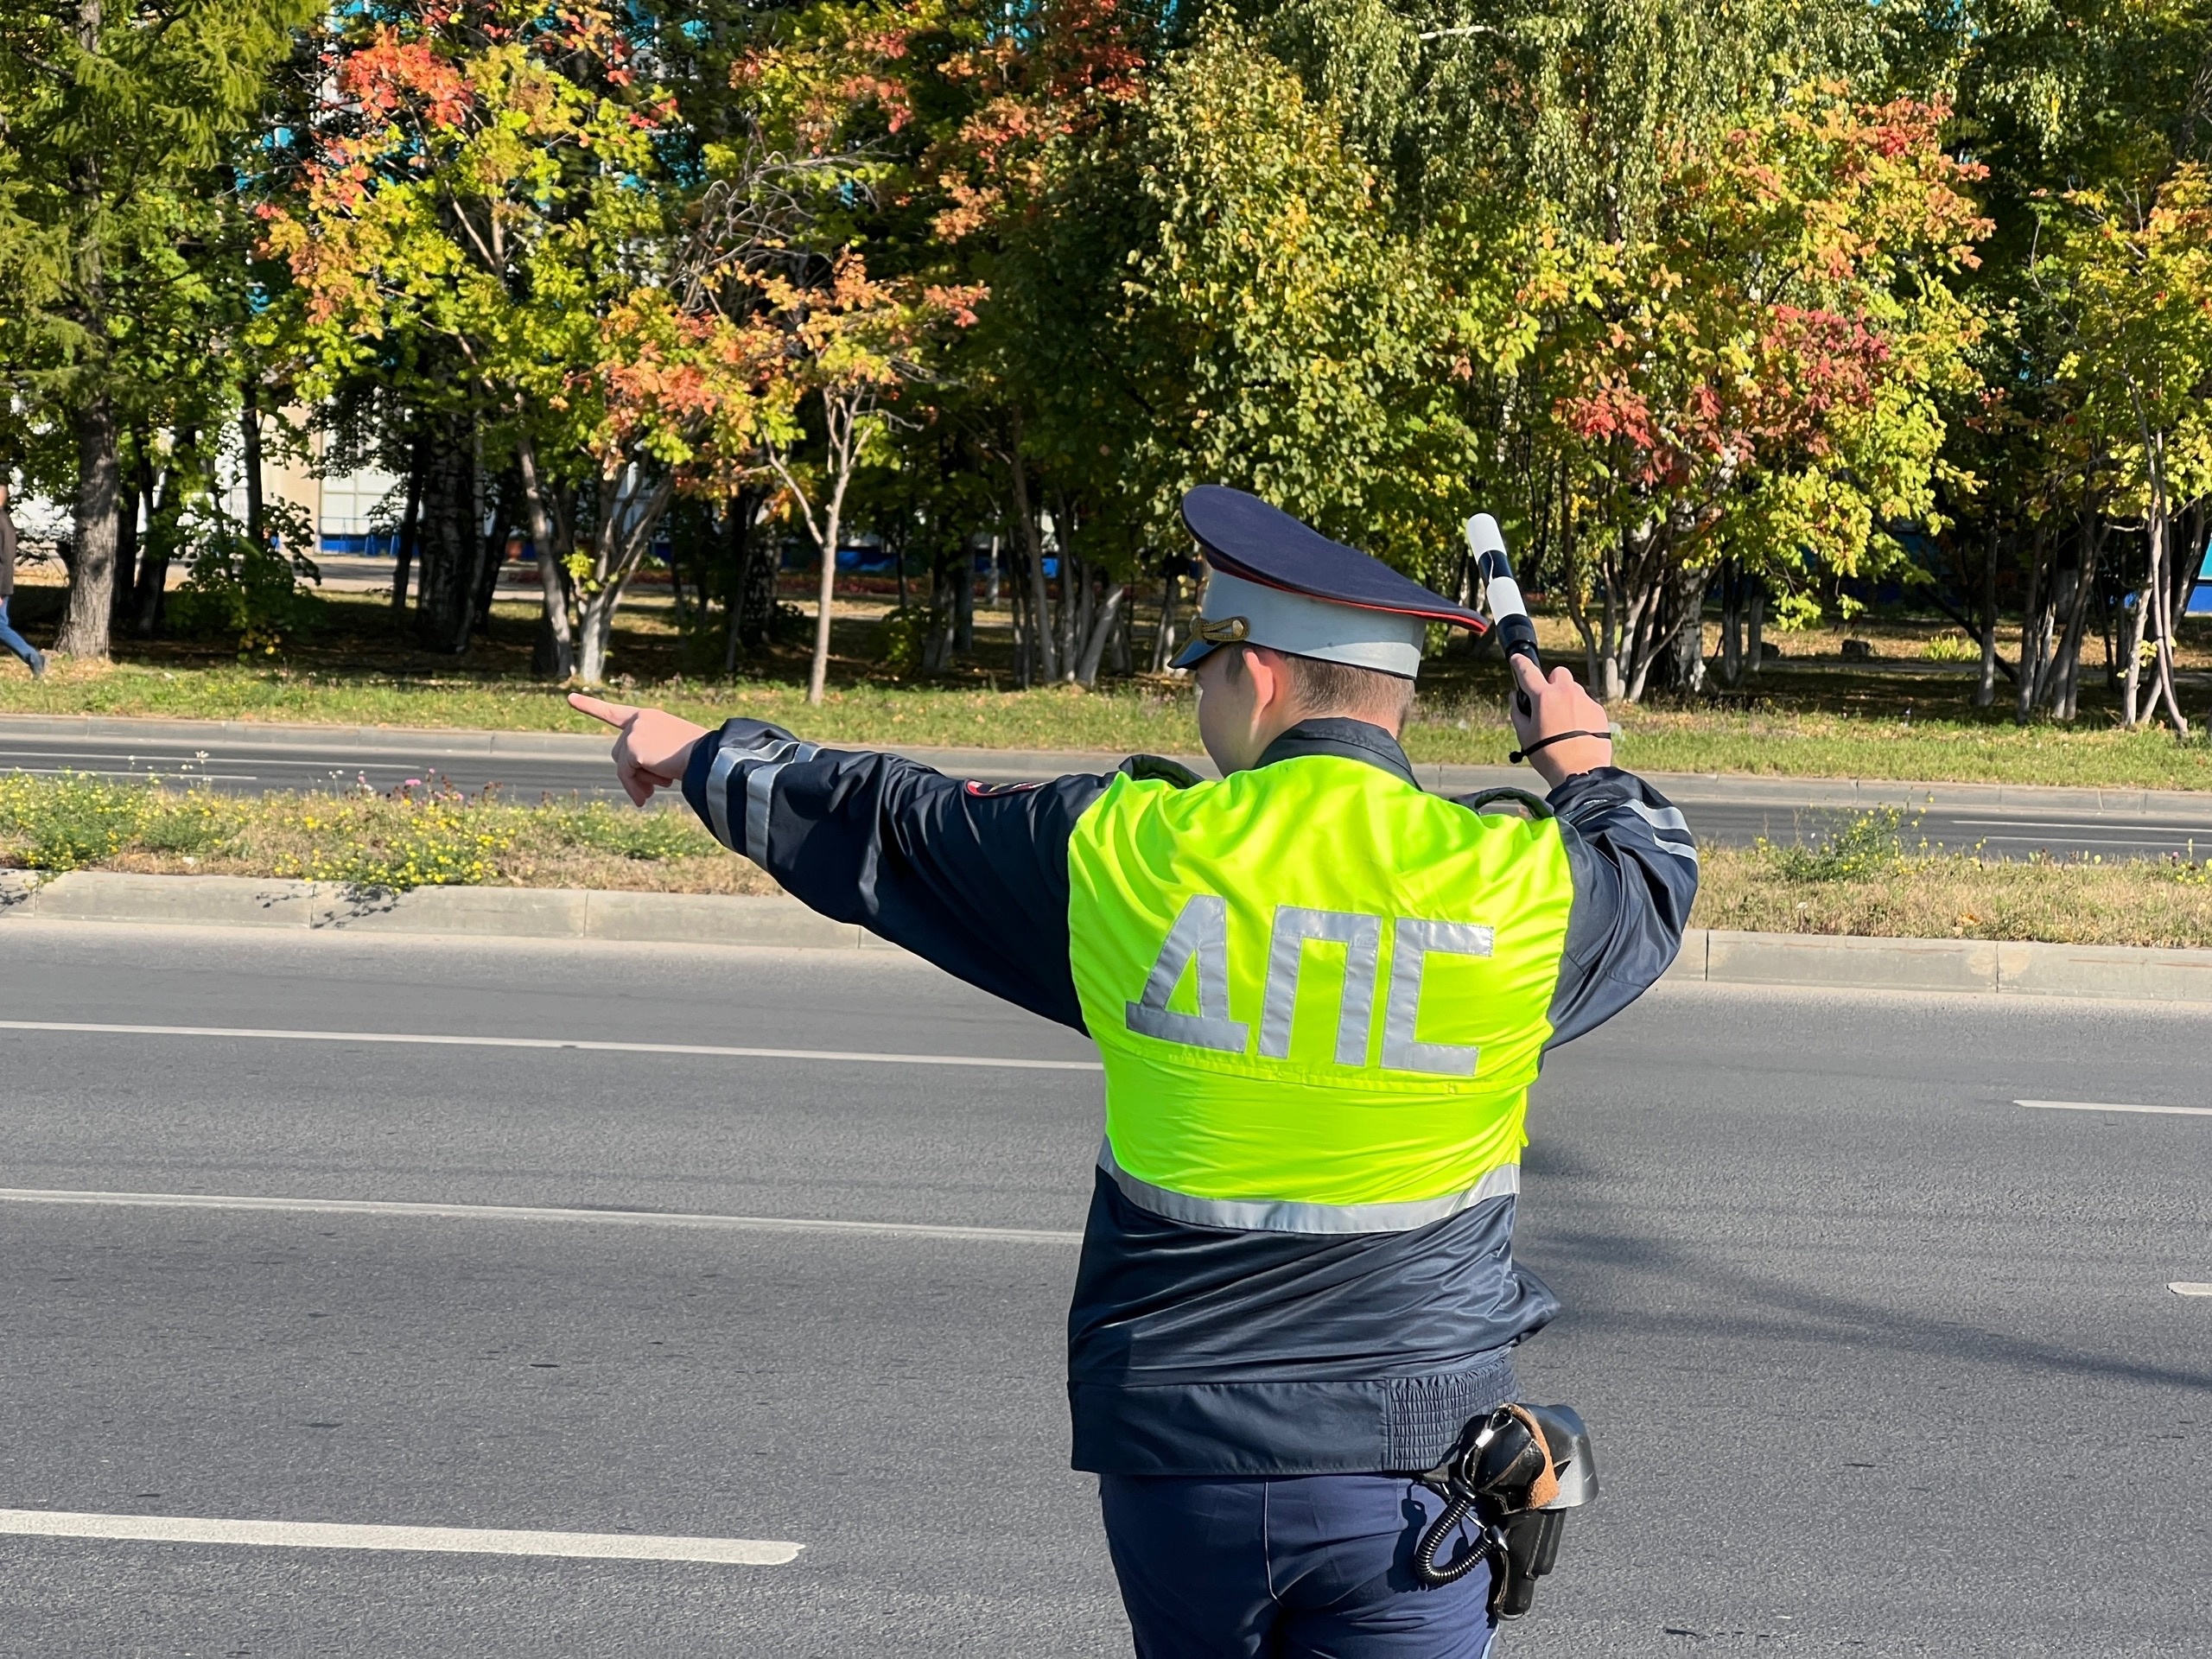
(354, 514)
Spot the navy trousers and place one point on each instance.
(1308, 1567)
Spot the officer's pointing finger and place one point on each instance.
(1530, 677)
(614, 714)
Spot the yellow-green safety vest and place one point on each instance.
(1320, 994)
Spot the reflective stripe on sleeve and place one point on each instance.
(1670, 820)
(718, 792)
(759, 784)
(1290, 1215)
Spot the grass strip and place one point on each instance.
(1865, 878)
(411, 838)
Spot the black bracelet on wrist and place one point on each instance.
(1519, 755)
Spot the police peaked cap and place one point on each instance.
(1282, 583)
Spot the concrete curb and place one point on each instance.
(416, 744)
(468, 912)
(1719, 956)
(1713, 956)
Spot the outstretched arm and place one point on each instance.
(971, 877)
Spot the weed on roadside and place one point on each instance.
(69, 822)
(623, 832)
(1867, 844)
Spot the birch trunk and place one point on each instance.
(1105, 619)
(552, 579)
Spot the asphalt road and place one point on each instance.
(1878, 1361)
(342, 763)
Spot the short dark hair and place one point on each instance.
(1346, 689)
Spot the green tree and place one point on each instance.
(119, 124)
(2136, 281)
(1758, 376)
(487, 182)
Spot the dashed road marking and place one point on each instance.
(438, 1039)
(403, 1211)
(2183, 1287)
(461, 1540)
(2109, 1106)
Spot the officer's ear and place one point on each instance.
(1272, 682)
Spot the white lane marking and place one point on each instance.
(98, 771)
(676, 1219)
(2183, 1287)
(441, 1041)
(461, 1540)
(2088, 841)
(2093, 824)
(2107, 1106)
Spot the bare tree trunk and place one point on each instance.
(453, 532)
(1593, 660)
(1040, 607)
(2131, 681)
(737, 537)
(817, 674)
(594, 632)
(963, 604)
(1018, 615)
(1985, 689)
(2161, 586)
(555, 637)
(137, 484)
(1163, 640)
(1105, 618)
(2032, 632)
(410, 527)
(163, 518)
(1077, 603)
(256, 518)
(1732, 623)
(621, 537)
(1755, 631)
(506, 510)
(2066, 675)
(91, 577)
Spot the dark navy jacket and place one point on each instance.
(1199, 1350)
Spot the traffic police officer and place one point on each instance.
(1320, 995)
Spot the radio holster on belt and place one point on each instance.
(1512, 1477)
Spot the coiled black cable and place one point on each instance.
(1487, 1543)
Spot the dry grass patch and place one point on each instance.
(1867, 880)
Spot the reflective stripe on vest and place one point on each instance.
(1320, 995)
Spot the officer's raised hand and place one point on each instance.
(654, 747)
(1566, 730)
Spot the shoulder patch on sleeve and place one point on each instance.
(1531, 807)
(1159, 768)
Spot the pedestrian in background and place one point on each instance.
(30, 653)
